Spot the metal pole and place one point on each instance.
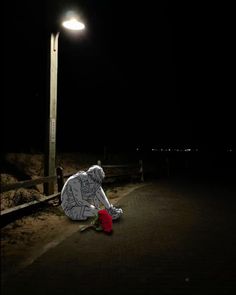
(141, 170)
(51, 157)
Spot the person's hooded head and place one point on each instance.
(96, 173)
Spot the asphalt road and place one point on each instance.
(177, 236)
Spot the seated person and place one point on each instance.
(82, 195)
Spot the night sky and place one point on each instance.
(142, 72)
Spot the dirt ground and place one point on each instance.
(28, 238)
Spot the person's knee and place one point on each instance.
(90, 212)
(77, 218)
(75, 215)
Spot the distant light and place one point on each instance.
(137, 149)
(187, 150)
(73, 24)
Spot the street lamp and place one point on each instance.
(74, 25)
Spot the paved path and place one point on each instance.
(176, 237)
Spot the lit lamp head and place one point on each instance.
(73, 24)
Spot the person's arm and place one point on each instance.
(101, 196)
(76, 190)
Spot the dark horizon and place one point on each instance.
(138, 148)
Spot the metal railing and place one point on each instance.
(13, 213)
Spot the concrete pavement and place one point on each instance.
(176, 237)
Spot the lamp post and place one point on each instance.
(75, 25)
